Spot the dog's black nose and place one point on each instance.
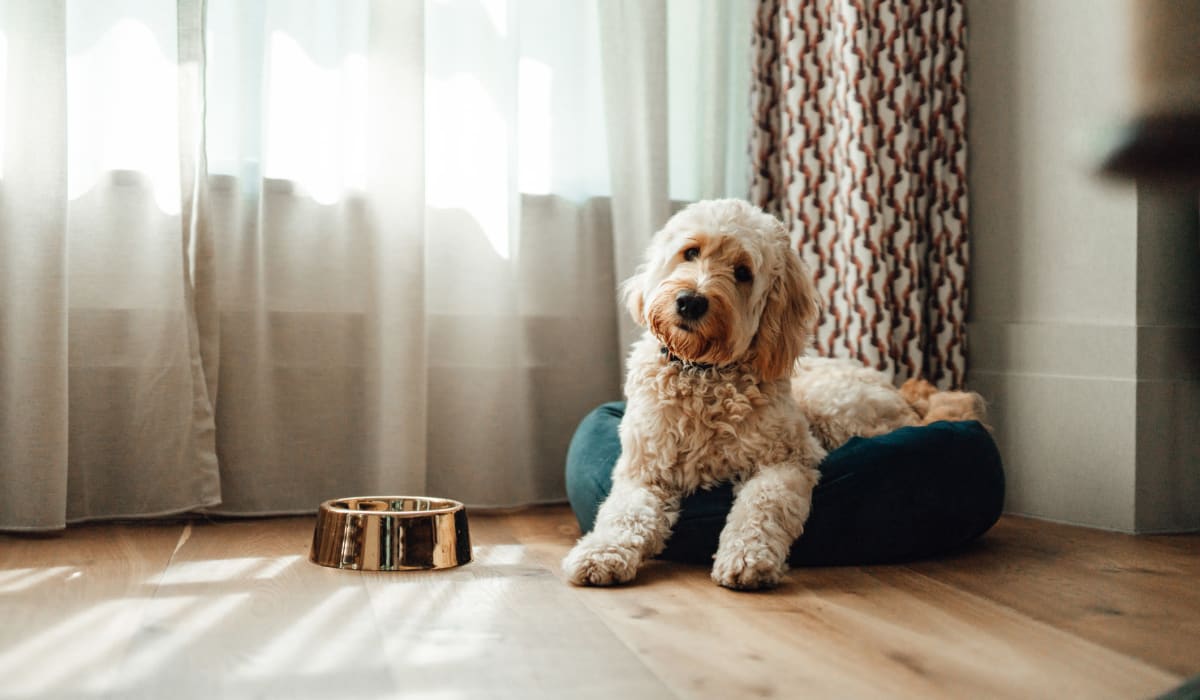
(691, 306)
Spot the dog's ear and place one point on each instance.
(791, 310)
(635, 299)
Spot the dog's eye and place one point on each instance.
(743, 274)
(691, 254)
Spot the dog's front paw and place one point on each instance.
(597, 563)
(747, 568)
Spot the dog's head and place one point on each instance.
(721, 284)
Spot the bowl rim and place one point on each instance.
(451, 506)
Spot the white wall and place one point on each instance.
(1058, 287)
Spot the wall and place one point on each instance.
(1078, 283)
(1168, 356)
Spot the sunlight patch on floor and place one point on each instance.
(13, 580)
(499, 554)
(323, 638)
(67, 650)
(444, 620)
(233, 569)
(172, 625)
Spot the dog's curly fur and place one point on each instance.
(711, 398)
(843, 399)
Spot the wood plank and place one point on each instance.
(1135, 594)
(503, 626)
(71, 604)
(240, 612)
(846, 632)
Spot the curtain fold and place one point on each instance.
(859, 145)
(100, 358)
(318, 200)
(33, 266)
(634, 34)
(255, 254)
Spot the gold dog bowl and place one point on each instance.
(391, 533)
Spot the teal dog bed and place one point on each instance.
(913, 493)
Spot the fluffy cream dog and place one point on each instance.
(728, 306)
(842, 399)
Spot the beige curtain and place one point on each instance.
(859, 144)
(255, 254)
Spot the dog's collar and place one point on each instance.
(675, 360)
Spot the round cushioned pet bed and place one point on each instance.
(912, 493)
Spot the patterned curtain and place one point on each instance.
(858, 144)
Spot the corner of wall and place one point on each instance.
(1168, 360)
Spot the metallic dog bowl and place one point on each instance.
(391, 533)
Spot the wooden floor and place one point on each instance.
(234, 609)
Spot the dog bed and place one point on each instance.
(912, 493)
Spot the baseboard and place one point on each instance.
(1068, 445)
(1096, 423)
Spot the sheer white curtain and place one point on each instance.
(257, 254)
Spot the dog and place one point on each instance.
(716, 389)
(842, 399)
